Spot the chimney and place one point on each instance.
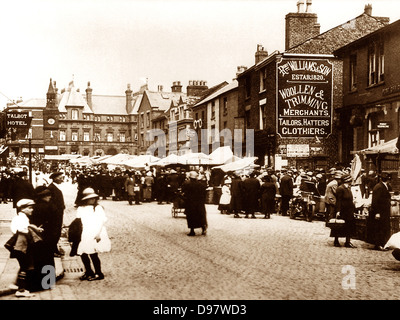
(261, 54)
(160, 88)
(128, 94)
(368, 9)
(308, 5)
(240, 69)
(301, 25)
(196, 87)
(300, 5)
(176, 86)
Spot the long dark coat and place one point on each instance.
(345, 205)
(378, 230)
(43, 254)
(194, 193)
(236, 194)
(251, 188)
(58, 206)
(268, 193)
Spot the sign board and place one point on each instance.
(18, 120)
(297, 150)
(304, 97)
(383, 125)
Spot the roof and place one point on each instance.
(135, 104)
(112, 105)
(33, 103)
(349, 32)
(231, 86)
(71, 97)
(162, 100)
(366, 37)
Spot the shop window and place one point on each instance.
(376, 136)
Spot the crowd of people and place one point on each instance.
(40, 205)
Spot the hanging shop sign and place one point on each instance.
(18, 120)
(304, 97)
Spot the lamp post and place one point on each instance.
(30, 156)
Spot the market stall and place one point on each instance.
(383, 158)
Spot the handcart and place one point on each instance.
(178, 204)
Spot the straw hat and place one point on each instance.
(193, 175)
(347, 178)
(89, 193)
(23, 203)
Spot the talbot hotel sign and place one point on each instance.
(304, 97)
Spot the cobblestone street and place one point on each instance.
(247, 259)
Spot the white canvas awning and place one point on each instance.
(386, 147)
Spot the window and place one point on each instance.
(262, 116)
(142, 120)
(213, 110)
(263, 79)
(122, 137)
(148, 119)
(247, 85)
(74, 114)
(97, 136)
(353, 72)
(62, 135)
(376, 63)
(247, 116)
(225, 106)
(375, 136)
(74, 136)
(109, 137)
(86, 136)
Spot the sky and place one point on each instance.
(113, 43)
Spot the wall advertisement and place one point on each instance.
(304, 97)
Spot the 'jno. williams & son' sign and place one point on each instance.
(304, 97)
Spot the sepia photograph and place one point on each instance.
(199, 158)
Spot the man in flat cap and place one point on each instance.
(57, 200)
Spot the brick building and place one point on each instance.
(371, 95)
(304, 142)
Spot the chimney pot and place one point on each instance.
(368, 9)
(300, 5)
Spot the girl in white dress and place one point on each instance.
(94, 238)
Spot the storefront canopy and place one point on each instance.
(387, 147)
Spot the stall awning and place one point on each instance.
(386, 147)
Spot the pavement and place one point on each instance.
(9, 267)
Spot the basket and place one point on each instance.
(338, 227)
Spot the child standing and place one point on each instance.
(94, 238)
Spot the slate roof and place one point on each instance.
(73, 98)
(162, 100)
(226, 88)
